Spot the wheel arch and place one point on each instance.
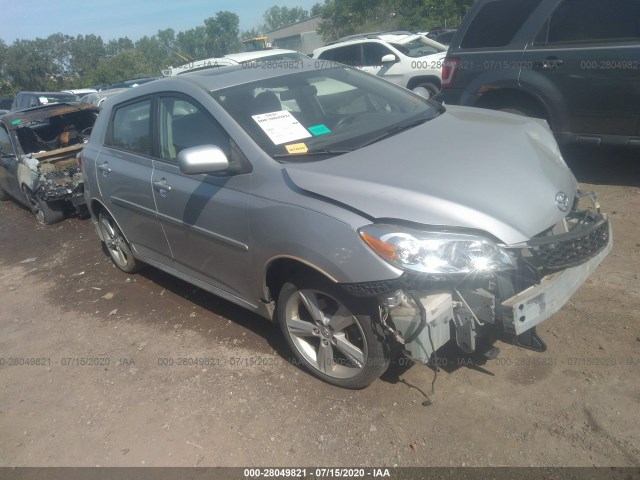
(96, 207)
(415, 81)
(497, 98)
(282, 268)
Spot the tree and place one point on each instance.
(114, 47)
(278, 17)
(125, 65)
(316, 9)
(222, 34)
(253, 32)
(190, 44)
(85, 53)
(155, 53)
(345, 17)
(31, 66)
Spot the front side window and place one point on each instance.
(497, 23)
(131, 127)
(184, 124)
(577, 21)
(417, 48)
(373, 53)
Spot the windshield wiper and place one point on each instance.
(320, 151)
(395, 130)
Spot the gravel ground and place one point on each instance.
(249, 404)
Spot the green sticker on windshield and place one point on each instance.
(319, 129)
(16, 122)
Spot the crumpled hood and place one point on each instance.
(468, 168)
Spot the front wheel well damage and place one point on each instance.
(281, 270)
(95, 208)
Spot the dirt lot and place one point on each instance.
(62, 301)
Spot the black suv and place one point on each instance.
(575, 63)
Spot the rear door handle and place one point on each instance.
(104, 168)
(549, 63)
(162, 187)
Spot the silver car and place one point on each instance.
(364, 219)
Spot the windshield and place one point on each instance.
(329, 111)
(46, 98)
(416, 48)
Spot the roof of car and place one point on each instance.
(257, 54)
(389, 37)
(15, 118)
(219, 78)
(44, 93)
(227, 60)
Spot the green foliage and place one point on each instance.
(61, 61)
(317, 9)
(346, 17)
(125, 65)
(222, 34)
(191, 45)
(278, 17)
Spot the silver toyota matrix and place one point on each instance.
(364, 219)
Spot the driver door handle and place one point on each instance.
(162, 187)
(104, 168)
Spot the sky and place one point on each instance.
(111, 19)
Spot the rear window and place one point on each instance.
(497, 23)
(593, 21)
(348, 55)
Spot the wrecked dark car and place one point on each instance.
(38, 167)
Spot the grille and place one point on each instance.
(584, 241)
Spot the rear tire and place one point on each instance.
(426, 90)
(47, 213)
(116, 245)
(337, 338)
(523, 112)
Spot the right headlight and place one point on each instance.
(436, 252)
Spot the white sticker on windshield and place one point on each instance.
(281, 127)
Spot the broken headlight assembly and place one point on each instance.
(436, 252)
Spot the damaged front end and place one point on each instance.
(59, 177)
(50, 139)
(493, 291)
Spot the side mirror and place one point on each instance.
(202, 159)
(389, 58)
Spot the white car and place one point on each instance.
(271, 54)
(412, 61)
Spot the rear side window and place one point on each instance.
(592, 21)
(497, 23)
(349, 55)
(131, 127)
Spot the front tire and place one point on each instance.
(336, 337)
(47, 213)
(117, 246)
